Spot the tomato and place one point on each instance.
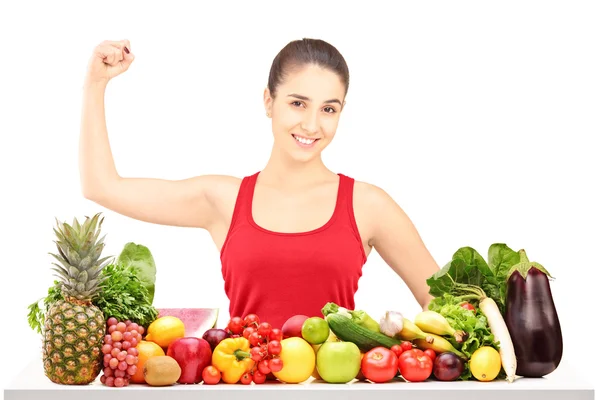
(258, 377)
(264, 329)
(276, 334)
(211, 375)
(254, 339)
(397, 349)
(274, 347)
(263, 366)
(379, 365)
(414, 365)
(468, 306)
(256, 354)
(236, 325)
(275, 364)
(246, 379)
(430, 353)
(248, 331)
(406, 345)
(251, 320)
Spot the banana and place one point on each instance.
(410, 332)
(438, 344)
(433, 322)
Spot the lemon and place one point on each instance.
(298, 359)
(485, 364)
(165, 330)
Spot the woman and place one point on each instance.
(292, 236)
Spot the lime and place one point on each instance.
(315, 330)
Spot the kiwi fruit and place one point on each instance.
(161, 371)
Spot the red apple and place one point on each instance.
(193, 355)
(293, 326)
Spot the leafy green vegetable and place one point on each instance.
(468, 267)
(36, 314)
(124, 294)
(474, 323)
(140, 258)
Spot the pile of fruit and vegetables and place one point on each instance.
(488, 321)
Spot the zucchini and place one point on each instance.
(365, 339)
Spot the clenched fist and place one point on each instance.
(110, 59)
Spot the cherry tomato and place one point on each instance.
(264, 329)
(246, 379)
(275, 364)
(397, 349)
(414, 365)
(379, 365)
(251, 320)
(276, 334)
(468, 306)
(430, 353)
(236, 325)
(263, 367)
(258, 377)
(248, 331)
(256, 354)
(406, 345)
(211, 375)
(274, 347)
(254, 339)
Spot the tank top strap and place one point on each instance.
(345, 208)
(242, 201)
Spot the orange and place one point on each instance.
(165, 330)
(145, 351)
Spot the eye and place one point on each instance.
(333, 111)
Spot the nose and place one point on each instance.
(310, 124)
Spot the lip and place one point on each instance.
(302, 145)
(304, 137)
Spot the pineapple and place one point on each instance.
(74, 328)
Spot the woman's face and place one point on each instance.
(306, 111)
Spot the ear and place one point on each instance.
(268, 101)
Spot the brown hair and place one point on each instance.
(300, 53)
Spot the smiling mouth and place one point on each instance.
(304, 140)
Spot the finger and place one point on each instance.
(109, 54)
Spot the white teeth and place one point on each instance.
(304, 141)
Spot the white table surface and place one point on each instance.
(563, 383)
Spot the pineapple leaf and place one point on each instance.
(82, 277)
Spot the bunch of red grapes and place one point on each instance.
(120, 354)
(266, 346)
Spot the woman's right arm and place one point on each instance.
(193, 202)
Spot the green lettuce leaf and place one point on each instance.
(473, 323)
(140, 258)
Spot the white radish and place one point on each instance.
(500, 331)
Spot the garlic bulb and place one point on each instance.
(391, 323)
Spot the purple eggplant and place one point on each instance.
(532, 320)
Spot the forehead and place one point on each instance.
(314, 81)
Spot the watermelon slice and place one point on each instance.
(196, 320)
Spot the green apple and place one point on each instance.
(338, 362)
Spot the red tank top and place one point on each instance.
(278, 275)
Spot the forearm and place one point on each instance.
(97, 167)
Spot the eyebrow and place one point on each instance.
(299, 96)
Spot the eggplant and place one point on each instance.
(532, 320)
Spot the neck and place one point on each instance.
(281, 170)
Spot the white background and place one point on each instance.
(477, 118)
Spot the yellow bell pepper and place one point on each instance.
(232, 358)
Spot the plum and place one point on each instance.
(293, 326)
(448, 366)
(214, 337)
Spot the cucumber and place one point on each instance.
(365, 339)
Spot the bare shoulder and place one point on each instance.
(372, 204)
(222, 189)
